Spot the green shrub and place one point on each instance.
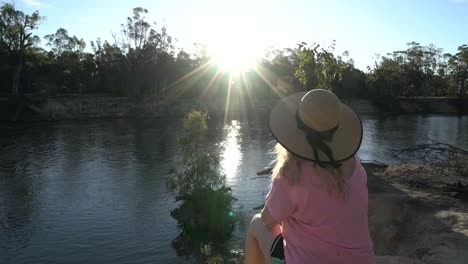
(205, 211)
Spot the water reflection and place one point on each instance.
(231, 155)
(96, 190)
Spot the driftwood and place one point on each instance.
(431, 150)
(446, 171)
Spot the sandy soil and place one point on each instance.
(418, 213)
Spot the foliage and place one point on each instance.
(416, 71)
(318, 67)
(142, 62)
(138, 33)
(353, 83)
(205, 211)
(16, 29)
(16, 37)
(458, 65)
(197, 170)
(208, 256)
(62, 42)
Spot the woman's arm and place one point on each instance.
(268, 219)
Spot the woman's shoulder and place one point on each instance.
(310, 172)
(348, 167)
(351, 160)
(359, 173)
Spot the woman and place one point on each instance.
(316, 210)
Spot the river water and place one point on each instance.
(94, 191)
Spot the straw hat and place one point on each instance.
(316, 126)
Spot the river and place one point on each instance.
(94, 191)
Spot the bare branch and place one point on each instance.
(433, 150)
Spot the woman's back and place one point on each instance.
(318, 197)
(320, 225)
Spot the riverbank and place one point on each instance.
(419, 211)
(41, 108)
(433, 105)
(78, 107)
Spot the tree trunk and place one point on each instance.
(17, 75)
(462, 90)
(461, 95)
(463, 83)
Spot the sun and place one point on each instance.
(233, 47)
(233, 56)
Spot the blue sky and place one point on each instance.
(363, 27)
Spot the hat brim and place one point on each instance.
(284, 127)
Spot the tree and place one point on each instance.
(318, 67)
(148, 53)
(111, 66)
(385, 80)
(281, 65)
(416, 71)
(73, 66)
(205, 213)
(459, 68)
(352, 83)
(16, 36)
(61, 42)
(137, 33)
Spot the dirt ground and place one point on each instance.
(418, 212)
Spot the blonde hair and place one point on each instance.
(288, 167)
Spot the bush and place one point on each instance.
(205, 211)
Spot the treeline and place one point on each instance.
(143, 62)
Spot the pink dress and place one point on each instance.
(319, 227)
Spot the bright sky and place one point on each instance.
(363, 27)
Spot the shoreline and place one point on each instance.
(30, 108)
(412, 217)
(415, 215)
(410, 223)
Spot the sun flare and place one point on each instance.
(233, 57)
(233, 48)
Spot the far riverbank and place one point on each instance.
(81, 107)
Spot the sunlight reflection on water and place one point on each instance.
(74, 191)
(231, 155)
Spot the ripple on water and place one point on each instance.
(79, 192)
